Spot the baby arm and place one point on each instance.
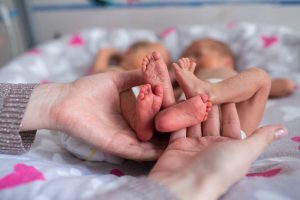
(282, 87)
(102, 59)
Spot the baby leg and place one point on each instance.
(249, 90)
(251, 110)
(231, 126)
(148, 105)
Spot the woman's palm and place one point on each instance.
(92, 107)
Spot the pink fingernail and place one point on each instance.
(280, 133)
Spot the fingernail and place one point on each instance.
(279, 133)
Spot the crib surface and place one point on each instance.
(57, 174)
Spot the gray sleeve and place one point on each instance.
(13, 101)
(135, 189)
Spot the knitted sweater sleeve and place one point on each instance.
(13, 101)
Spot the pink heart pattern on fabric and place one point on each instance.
(44, 81)
(34, 51)
(132, 1)
(116, 172)
(22, 174)
(76, 40)
(268, 173)
(297, 139)
(89, 71)
(165, 33)
(232, 25)
(269, 40)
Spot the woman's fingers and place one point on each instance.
(264, 136)
(230, 160)
(246, 151)
(178, 134)
(194, 131)
(230, 121)
(211, 127)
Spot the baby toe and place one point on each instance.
(204, 97)
(181, 63)
(158, 91)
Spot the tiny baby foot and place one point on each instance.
(155, 72)
(208, 103)
(282, 87)
(147, 106)
(190, 84)
(184, 114)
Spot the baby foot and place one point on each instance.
(147, 106)
(155, 72)
(282, 87)
(190, 84)
(185, 114)
(208, 104)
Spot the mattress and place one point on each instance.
(48, 171)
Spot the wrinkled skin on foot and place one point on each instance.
(155, 72)
(147, 106)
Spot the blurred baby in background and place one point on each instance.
(112, 59)
(215, 59)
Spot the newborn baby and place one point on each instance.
(110, 58)
(215, 60)
(215, 76)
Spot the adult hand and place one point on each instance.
(201, 166)
(89, 109)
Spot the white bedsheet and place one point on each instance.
(53, 173)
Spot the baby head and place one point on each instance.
(210, 54)
(134, 55)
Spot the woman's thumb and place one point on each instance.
(264, 136)
(269, 133)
